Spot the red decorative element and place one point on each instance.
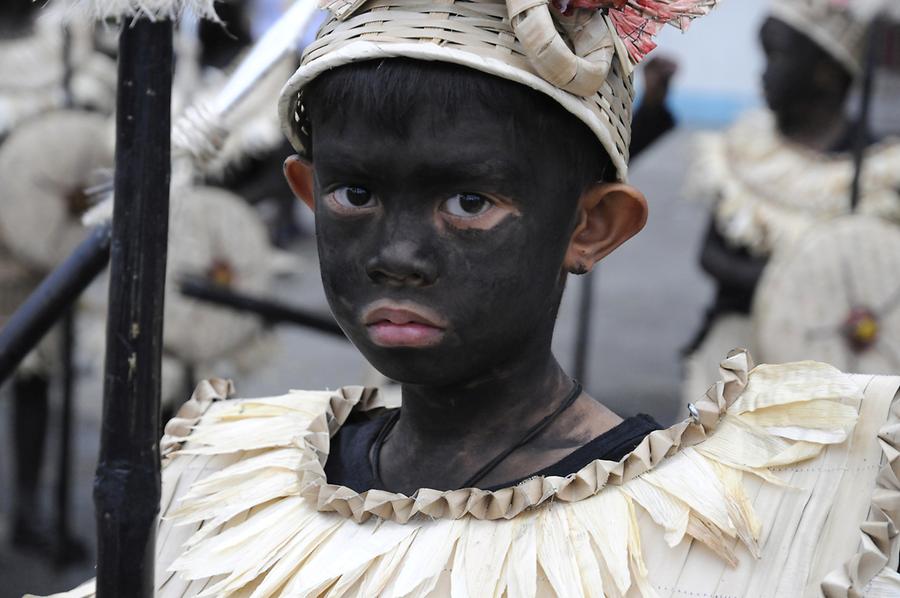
(638, 21)
(220, 273)
(861, 329)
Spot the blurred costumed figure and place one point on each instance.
(777, 174)
(249, 163)
(53, 85)
(46, 65)
(218, 193)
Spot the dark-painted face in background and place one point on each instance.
(798, 72)
(15, 16)
(441, 245)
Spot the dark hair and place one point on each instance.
(389, 89)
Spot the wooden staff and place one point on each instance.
(127, 486)
(52, 299)
(271, 311)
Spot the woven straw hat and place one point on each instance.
(582, 57)
(829, 23)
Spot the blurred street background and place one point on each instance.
(648, 298)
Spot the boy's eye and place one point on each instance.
(353, 197)
(466, 205)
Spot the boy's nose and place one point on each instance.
(401, 264)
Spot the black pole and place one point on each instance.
(68, 377)
(863, 131)
(54, 296)
(126, 489)
(272, 312)
(68, 548)
(583, 332)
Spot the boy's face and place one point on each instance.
(441, 246)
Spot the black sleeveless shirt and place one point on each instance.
(348, 462)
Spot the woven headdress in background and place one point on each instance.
(579, 52)
(832, 24)
(870, 9)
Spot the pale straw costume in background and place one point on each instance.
(834, 297)
(40, 194)
(740, 499)
(32, 71)
(765, 192)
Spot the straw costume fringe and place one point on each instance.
(551, 536)
(749, 175)
(247, 511)
(874, 567)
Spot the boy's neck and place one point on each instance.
(446, 434)
(448, 414)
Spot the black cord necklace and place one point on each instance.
(530, 434)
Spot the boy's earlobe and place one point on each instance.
(301, 178)
(608, 215)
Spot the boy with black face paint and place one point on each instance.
(777, 173)
(461, 163)
(429, 284)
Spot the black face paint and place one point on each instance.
(495, 291)
(790, 78)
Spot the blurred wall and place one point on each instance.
(720, 63)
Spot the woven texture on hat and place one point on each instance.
(582, 55)
(473, 34)
(829, 23)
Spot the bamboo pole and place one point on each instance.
(68, 548)
(127, 486)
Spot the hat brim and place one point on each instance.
(360, 51)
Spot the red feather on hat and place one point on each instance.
(638, 21)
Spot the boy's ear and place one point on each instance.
(608, 215)
(301, 178)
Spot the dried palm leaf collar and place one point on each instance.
(581, 53)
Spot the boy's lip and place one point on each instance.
(396, 324)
